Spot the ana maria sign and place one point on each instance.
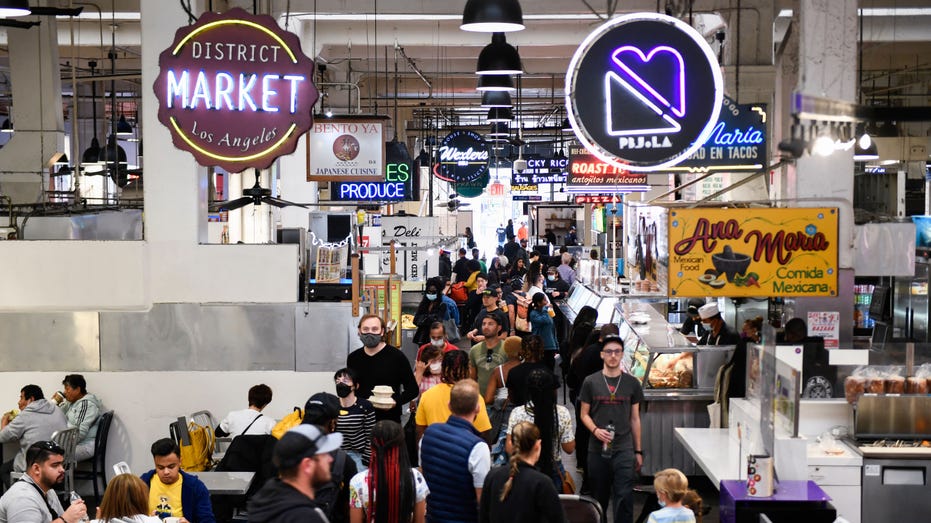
(235, 90)
(644, 91)
(737, 141)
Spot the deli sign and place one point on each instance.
(235, 90)
(755, 253)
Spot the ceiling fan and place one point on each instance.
(10, 8)
(255, 195)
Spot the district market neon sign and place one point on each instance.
(235, 90)
(644, 91)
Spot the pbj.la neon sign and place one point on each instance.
(235, 90)
(644, 91)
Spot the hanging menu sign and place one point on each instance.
(541, 170)
(643, 91)
(235, 90)
(463, 158)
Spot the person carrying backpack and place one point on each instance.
(332, 498)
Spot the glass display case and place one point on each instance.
(581, 295)
(667, 363)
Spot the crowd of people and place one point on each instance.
(483, 440)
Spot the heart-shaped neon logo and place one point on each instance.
(635, 63)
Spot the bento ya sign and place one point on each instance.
(235, 90)
(644, 91)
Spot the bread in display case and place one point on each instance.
(665, 361)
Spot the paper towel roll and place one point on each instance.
(760, 476)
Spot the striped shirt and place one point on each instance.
(355, 423)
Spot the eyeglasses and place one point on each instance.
(488, 357)
(612, 352)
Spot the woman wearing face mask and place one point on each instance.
(541, 318)
(428, 371)
(431, 309)
(356, 418)
(377, 363)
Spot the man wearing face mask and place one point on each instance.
(718, 333)
(377, 363)
(438, 340)
(556, 287)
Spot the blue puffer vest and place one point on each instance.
(444, 455)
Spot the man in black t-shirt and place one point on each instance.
(612, 397)
(461, 267)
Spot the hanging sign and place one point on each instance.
(756, 253)
(737, 141)
(408, 231)
(399, 183)
(235, 90)
(346, 149)
(463, 158)
(588, 174)
(541, 170)
(644, 91)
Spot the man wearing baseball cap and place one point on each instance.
(303, 459)
(490, 297)
(692, 325)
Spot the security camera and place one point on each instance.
(520, 165)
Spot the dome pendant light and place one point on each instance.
(492, 16)
(495, 82)
(499, 57)
(11, 8)
(500, 114)
(496, 99)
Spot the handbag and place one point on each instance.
(568, 484)
(521, 321)
(410, 437)
(452, 330)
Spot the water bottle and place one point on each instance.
(606, 447)
(77, 497)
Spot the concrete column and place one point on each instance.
(827, 68)
(37, 111)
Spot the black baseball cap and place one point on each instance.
(304, 441)
(612, 338)
(320, 408)
(491, 289)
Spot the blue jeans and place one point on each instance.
(617, 472)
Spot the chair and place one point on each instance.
(581, 509)
(204, 418)
(99, 461)
(67, 439)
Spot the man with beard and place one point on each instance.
(32, 498)
(303, 459)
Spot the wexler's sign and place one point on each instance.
(235, 90)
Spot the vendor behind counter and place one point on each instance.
(731, 380)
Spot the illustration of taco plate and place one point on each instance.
(730, 263)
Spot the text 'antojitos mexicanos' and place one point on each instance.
(766, 252)
(235, 90)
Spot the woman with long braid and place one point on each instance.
(554, 422)
(517, 492)
(390, 491)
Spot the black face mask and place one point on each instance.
(343, 390)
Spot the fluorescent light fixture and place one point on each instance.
(877, 11)
(119, 16)
(389, 17)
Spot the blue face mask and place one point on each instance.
(551, 278)
(430, 297)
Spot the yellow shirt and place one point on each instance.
(434, 408)
(164, 499)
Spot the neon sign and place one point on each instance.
(643, 91)
(235, 90)
(398, 183)
(463, 157)
(737, 141)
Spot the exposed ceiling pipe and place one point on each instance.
(414, 67)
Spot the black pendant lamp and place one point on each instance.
(499, 57)
(114, 158)
(10, 8)
(496, 99)
(500, 114)
(492, 16)
(495, 82)
(499, 130)
(123, 128)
